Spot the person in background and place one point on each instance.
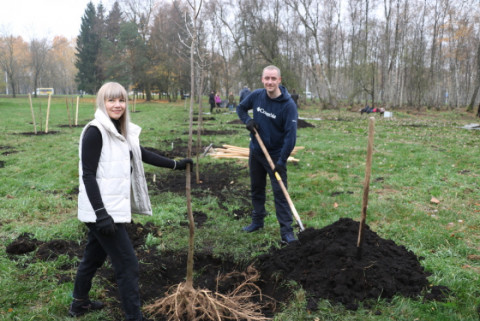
(231, 101)
(112, 187)
(275, 119)
(218, 100)
(211, 101)
(244, 93)
(295, 97)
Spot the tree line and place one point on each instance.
(393, 53)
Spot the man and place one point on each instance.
(211, 101)
(244, 92)
(275, 119)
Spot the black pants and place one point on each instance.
(259, 168)
(120, 250)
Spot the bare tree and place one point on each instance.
(309, 13)
(13, 56)
(39, 50)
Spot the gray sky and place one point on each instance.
(43, 18)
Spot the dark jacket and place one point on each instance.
(277, 121)
(244, 93)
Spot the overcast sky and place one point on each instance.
(43, 19)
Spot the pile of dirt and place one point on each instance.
(326, 264)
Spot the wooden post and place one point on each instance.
(48, 112)
(68, 113)
(33, 114)
(366, 185)
(76, 112)
(134, 102)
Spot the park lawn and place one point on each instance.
(424, 195)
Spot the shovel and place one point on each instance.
(280, 182)
(366, 186)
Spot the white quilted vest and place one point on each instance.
(122, 192)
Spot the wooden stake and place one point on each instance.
(68, 113)
(76, 112)
(366, 185)
(48, 113)
(33, 114)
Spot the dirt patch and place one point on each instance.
(39, 133)
(7, 150)
(71, 126)
(199, 218)
(325, 263)
(215, 179)
(25, 243)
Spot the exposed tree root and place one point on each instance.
(184, 303)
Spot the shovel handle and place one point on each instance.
(279, 179)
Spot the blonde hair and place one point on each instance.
(114, 90)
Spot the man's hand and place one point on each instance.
(251, 125)
(280, 169)
(182, 164)
(104, 223)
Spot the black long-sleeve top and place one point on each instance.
(91, 149)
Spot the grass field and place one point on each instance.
(418, 157)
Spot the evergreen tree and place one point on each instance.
(88, 44)
(100, 32)
(114, 52)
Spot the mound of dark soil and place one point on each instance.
(326, 264)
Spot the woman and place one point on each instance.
(218, 100)
(112, 186)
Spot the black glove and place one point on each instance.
(104, 223)
(280, 169)
(251, 124)
(182, 164)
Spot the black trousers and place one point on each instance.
(125, 264)
(259, 169)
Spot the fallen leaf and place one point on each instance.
(469, 267)
(434, 200)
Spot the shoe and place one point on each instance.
(252, 227)
(288, 238)
(78, 308)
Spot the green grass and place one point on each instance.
(416, 157)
